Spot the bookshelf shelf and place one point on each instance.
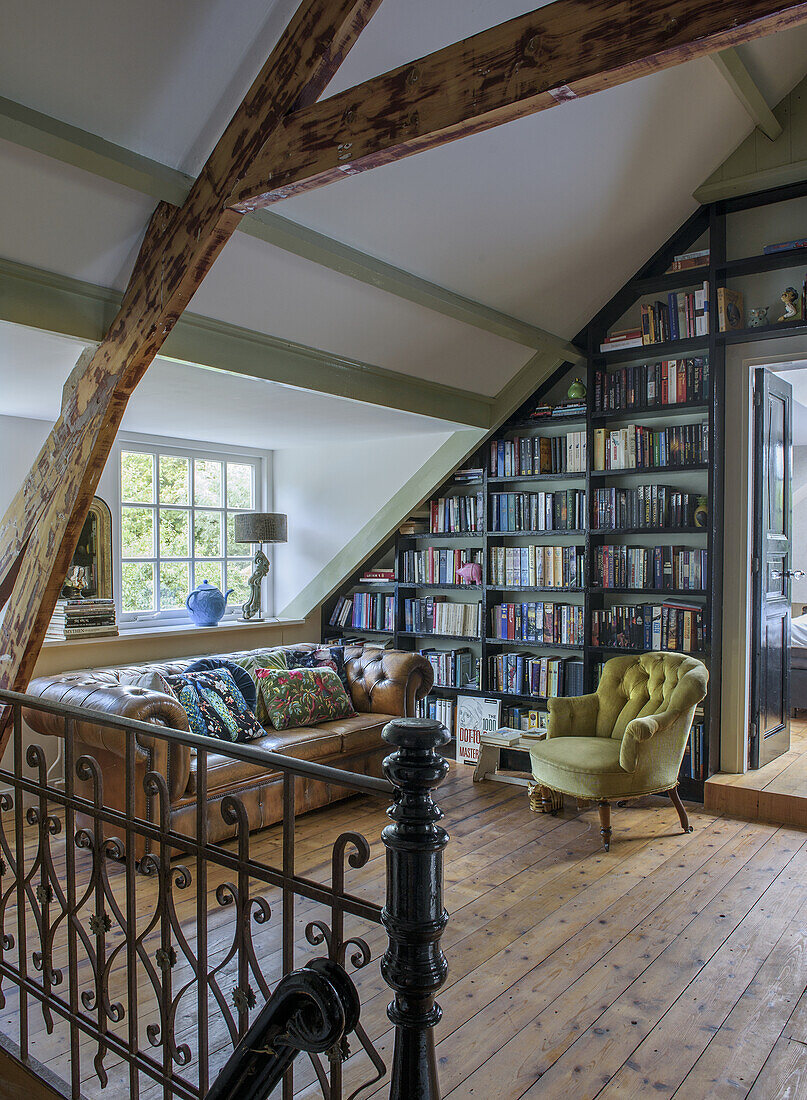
(579, 531)
(648, 471)
(535, 645)
(441, 587)
(527, 423)
(763, 332)
(433, 634)
(577, 475)
(670, 349)
(667, 532)
(673, 280)
(677, 593)
(532, 588)
(445, 535)
(759, 265)
(334, 631)
(648, 412)
(617, 649)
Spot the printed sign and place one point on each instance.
(475, 715)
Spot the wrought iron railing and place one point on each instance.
(145, 974)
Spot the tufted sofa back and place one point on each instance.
(651, 683)
(381, 681)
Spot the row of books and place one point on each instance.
(546, 454)
(456, 514)
(524, 718)
(364, 611)
(435, 565)
(442, 710)
(563, 510)
(650, 567)
(93, 617)
(693, 766)
(453, 667)
(537, 566)
(525, 674)
(651, 506)
(673, 626)
(685, 314)
(638, 447)
(539, 623)
(651, 385)
(435, 615)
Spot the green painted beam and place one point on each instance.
(447, 458)
(732, 68)
(759, 163)
(71, 145)
(70, 307)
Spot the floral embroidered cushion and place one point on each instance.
(303, 696)
(215, 706)
(267, 658)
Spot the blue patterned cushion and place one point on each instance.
(323, 656)
(243, 680)
(215, 706)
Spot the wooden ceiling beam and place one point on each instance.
(40, 529)
(563, 51)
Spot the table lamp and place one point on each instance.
(260, 527)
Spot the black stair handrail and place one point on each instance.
(311, 1010)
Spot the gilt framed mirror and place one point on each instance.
(90, 572)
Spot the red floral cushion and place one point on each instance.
(303, 696)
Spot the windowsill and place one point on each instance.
(184, 630)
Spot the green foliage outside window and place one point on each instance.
(166, 518)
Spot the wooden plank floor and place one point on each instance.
(675, 965)
(777, 792)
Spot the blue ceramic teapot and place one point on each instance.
(207, 604)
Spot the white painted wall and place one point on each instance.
(329, 494)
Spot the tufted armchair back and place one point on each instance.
(650, 684)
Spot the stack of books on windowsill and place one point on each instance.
(90, 618)
(687, 260)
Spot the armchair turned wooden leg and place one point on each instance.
(605, 824)
(675, 798)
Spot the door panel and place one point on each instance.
(770, 681)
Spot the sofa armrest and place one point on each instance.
(388, 681)
(575, 716)
(170, 759)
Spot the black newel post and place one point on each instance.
(414, 917)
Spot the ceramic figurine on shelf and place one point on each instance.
(791, 299)
(471, 573)
(758, 317)
(577, 391)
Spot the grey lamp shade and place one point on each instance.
(261, 527)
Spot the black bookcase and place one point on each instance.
(706, 227)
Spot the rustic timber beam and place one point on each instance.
(68, 144)
(40, 529)
(565, 50)
(733, 70)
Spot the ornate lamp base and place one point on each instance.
(251, 610)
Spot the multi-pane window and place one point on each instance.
(177, 516)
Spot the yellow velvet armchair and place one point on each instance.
(628, 738)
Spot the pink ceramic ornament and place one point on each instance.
(472, 572)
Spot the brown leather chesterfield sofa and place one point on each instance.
(383, 684)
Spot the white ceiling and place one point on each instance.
(544, 218)
(187, 402)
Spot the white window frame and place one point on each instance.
(154, 446)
